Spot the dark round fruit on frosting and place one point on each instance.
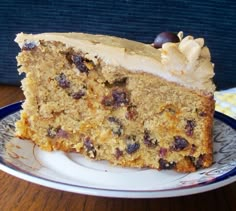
(165, 37)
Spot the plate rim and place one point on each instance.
(218, 182)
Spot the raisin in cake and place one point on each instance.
(118, 100)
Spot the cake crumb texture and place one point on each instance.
(78, 103)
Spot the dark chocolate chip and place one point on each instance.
(165, 37)
(131, 148)
(112, 119)
(89, 147)
(119, 97)
(118, 153)
(132, 144)
(116, 125)
(197, 162)
(189, 127)
(29, 45)
(131, 113)
(62, 81)
(180, 143)
(78, 60)
(164, 164)
(78, 95)
(88, 144)
(148, 141)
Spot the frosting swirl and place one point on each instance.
(189, 63)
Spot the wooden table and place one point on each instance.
(16, 194)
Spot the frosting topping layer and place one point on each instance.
(187, 63)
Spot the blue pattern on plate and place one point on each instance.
(224, 153)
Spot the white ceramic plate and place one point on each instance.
(71, 172)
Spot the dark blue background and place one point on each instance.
(140, 20)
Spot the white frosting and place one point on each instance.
(187, 63)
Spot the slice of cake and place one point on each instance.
(118, 100)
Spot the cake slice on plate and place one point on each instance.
(114, 99)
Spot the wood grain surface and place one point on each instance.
(16, 194)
